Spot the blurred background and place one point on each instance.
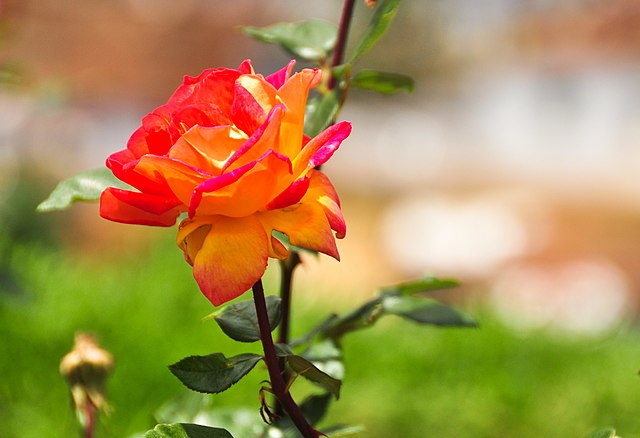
(512, 167)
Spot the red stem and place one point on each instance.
(278, 385)
(341, 42)
(90, 414)
(286, 283)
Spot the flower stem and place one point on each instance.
(90, 419)
(278, 385)
(287, 267)
(341, 42)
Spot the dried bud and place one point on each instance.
(86, 369)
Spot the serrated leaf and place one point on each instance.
(186, 430)
(239, 321)
(425, 311)
(382, 82)
(85, 186)
(213, 373)
(607, 432)
(299, 366)
(312, 40)
(426, 284)
(320, 113)
(384, 14)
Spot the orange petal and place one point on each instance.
(243, 191)
(180, 177)
(262, 91)
(321, 190)
(265, 138)
(231, 257)
(306, 225)
(321, 147)
(208, 148)
(294, 95)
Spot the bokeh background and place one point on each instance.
(512, 167)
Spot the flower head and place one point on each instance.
(228, 149)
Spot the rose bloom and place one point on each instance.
(228, 149)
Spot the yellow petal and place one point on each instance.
(306, 225)
(232, 256)
(208, 148)
(294, 95)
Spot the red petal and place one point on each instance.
(138, 208)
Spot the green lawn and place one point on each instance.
(402, 380)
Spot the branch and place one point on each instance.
(278, 384)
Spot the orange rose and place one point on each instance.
(228, 149)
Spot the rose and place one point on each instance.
(228, 149)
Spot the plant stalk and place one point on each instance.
(287, 267)
(341, 42)
(278, 385)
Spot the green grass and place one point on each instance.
(402, 380)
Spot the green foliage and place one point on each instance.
(213, 373)
(299, 366)
(85, 186)
(384, 83)
(384, 14)
(425, 311)
(425, 284)
(320, 113)
(310, 40)
(240, 322)
(608, 432)
(395, 300)
(185, 430)
(493, 381)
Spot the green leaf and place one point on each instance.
(425, 311)
(320, 113)
(311, 40)
(213, 373)
(385, 83)
(299, 366)
(608, 432)
(239, 321)
(326, 356)
(362, 317)
(186, 430)
(378, 25)
(426, 284)
(314, 408)
(85, 186)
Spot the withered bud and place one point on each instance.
(86, 369)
